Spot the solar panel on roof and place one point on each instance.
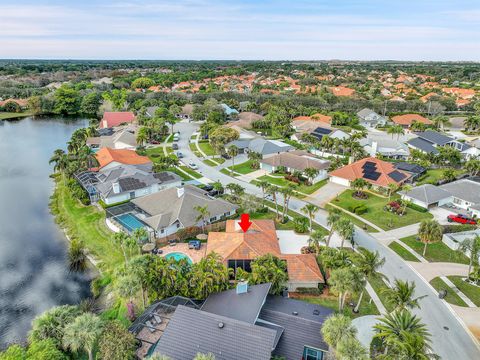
(369, 164)
(397, 175)
(372, 175)
(128, 184)
(323, 131)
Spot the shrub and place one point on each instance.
(447, 229)
(417, 208)
(360, 210)
(308, 291)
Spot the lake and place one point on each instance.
(34, 273)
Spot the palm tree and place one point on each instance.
(315, 240)
(350, 348)
(430, 231)
(287, 193)
(402, 295)
(311, 173)
(412, 347)
(359, 185)
(140, 235)
(471, 248)
(127, 287)
(203, 214)
(208, 356)
(255, 157)
(336, 328)
(393, 327)
(346, 281)
(396, 130)
(392, 187)
(269, 269)
(440, 121)
(368, 263)
(472, 122)
(120, 239)
(83, 333)
(77, 257)
(263, 185)
(209, 275)
(272, 190)
(310, 210)
(60, 160)
(142, 135)
(232, 151)
(345, 229)
(333, 217)
(139, 267)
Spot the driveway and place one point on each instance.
(364, 325)
(454, 343)
(325, 194)
(291, 243)
(441, 214)
(431, 270)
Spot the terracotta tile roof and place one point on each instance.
(408, 119)
(355, 171)
(106, 156)
(259, 240)
(461, 93)
(462, 102)
(112, 119)
(301, 118)
(428, 96)
(322, 118)
(20, 102)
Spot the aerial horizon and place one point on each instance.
(234, 30)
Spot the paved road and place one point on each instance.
(450, 340)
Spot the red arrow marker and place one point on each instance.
(245, 222)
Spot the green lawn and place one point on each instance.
(206, 148)
(209, 162)
(191, 172)
(155, 151)
(282, 182)
(243, 168)
(13, 115)
(227, 172)
(331, 301)
(436, 252)
(471, 291)
(379, 286)
(451, 297)
(375, 214)
(356, 221)
(194, 149)
(404, 253)
(181, 174)
(88, 224)
(432, 176)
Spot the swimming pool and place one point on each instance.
(129, 222)
(178, 256)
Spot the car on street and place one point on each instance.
(175, 146)
(461, 219)
(213, 193)
(193, 166)
(179, 155)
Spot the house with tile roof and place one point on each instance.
(342, 91)
(238, 249)
(113, 119)
(377, 172)
(108, 158)
(406, 120)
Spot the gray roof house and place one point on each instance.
(243, 323)
(126, 182)
(385, 145)
(260, 145)
(427, 196)
(370, 118)
(429, 141)
(174, 208)
(122, 139)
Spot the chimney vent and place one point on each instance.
(180, 191)
(242, 287)
(221, 325)
(116, 188)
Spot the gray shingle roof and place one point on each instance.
(193, 331)
(365, 112)
(300, 330)
(266, 147)
(243, 307)
(427, 193)
(464, 189)
(412, 168)
(296, 161)
(423, 145)
(166, 206)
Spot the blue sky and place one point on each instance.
(222, 29)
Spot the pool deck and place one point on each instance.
(194, 255)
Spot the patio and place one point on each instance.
(194, 255)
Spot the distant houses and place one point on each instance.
(430, 141)
(108, 158)
(370, 119)
(407, 120)
(113, 119)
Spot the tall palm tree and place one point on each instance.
(470, 247)
(287, 193)
(273, 190)
(396, 130)
(430, 231)
(232, 151)
(346, 281)
(351, 349)
(203, 214)
(142, 135)
(310, 210)
(368, 262)
(336, 328)
(77, 257)
(392, 328)
(345, 229)
(139, 267)
(83, 334)
(209, 275)
(402, 295)
(315, 240)
(333, 217)
(440, 121)
(263, 185)
(392, 187)
(412, 347)
(120, 239)
(127, 287)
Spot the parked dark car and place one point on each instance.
(213, 193)
(226, 156)
(175, 146)
(461, 219)
(207, 187)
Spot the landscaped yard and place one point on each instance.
(14, 115)
(331, 301)
(243, 168)
(191, 172)
(436, 252)
(451, 297)
(356, 221)
(404, 253)
(282, 182)
(471, 291)
(206, 148)
(379, 286)
(375, 212)
(432, 176)
(154, 152)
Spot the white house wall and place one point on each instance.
(339, 180)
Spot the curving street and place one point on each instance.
(450, 339)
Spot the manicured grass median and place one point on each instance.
(206, 148)
(471, 291)
(404, 253)
(210, 162)
(191, 172)
(451, 297)
(436, 252)
(376, 214)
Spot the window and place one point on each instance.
(132, 195)
(312, 354)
